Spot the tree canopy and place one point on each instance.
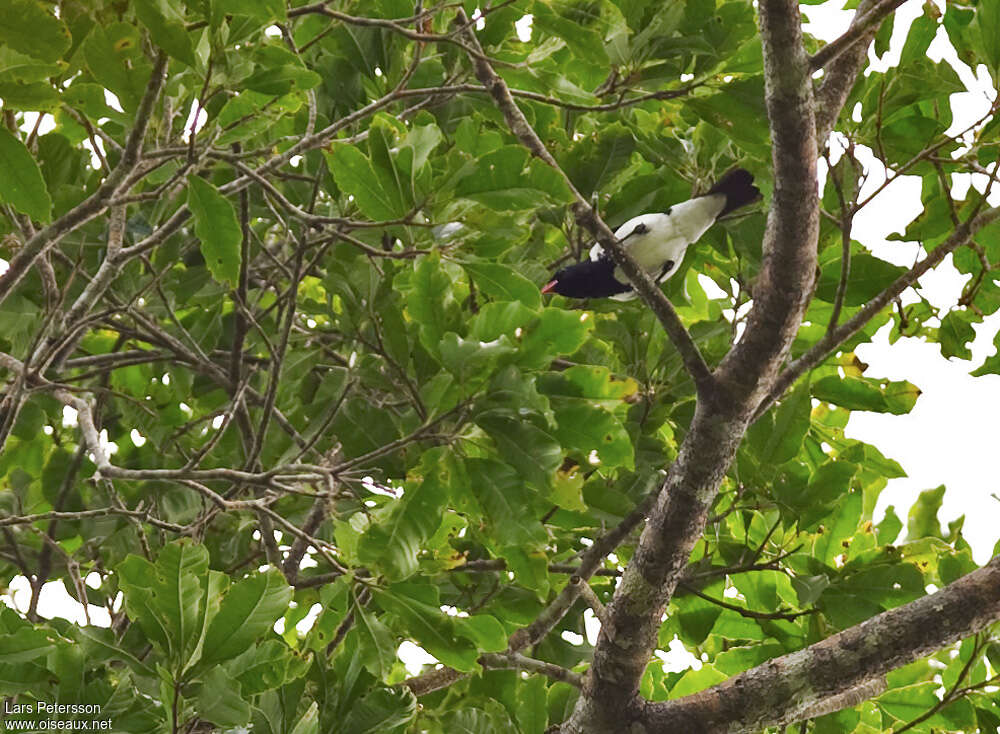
(280, 392)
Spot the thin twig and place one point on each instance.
(859, 28)
(592, 222)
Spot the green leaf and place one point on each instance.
(279, 72)
(872, 460)
(468, 358)
(362, 429)
(26, 644)
(597, 384)
(922, 521)
(89, 99)
(382, 144)
(737, 659)
(956, 332)
(570, 22)
(828, 483)
(887, 531)
(534, 453)
(990, 366)
(778, 435)
(592, 163)
(531, 706)
(166, 28)
(355, 174)
(864, 393)
(422, 140)
(504, 499)
(909, 702)
(869, 276)
(265, 666)
(260, 10)
(30, 422)
(738, 112)
(484, 630)
(765, 590)
(884, 34)
(27, 26)
(113, 55)
(218, 230)
(838, 528)
(830, 480)
(308, 723)
(504, 283)
(809, 588)
(478, 721)
(588, 428)
(505, 179)
(39, 96)
(429, 301)
(166, 598)
(399, 532)
(218, 699)
(100, 642)
(555, 333)
(382, 710)
(530, 568)
(418, 608)
(377, 647)
(987, 22)
(791, 423)
(251, 113)
(21, 184)
(697, 616)
(247, 611)
(862, 593)
(697, 680)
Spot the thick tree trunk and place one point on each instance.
(610, 696)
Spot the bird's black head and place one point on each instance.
(589, 279)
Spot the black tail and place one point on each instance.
(738, 187)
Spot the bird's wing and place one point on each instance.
(630, 233)
(664, 237)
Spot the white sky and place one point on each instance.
(951, 435)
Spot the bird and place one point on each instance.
(656, 241)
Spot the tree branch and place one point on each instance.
(93, 205)
(845, 61)
(863, 27)
(587, 218)
(610, 697)
(522, 662)
(785, 282)
(590, 596)
(590, 560)
(793, 687)
(837, 336)
(742, 611)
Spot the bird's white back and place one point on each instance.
(666, 238)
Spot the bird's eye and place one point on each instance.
(640, 229)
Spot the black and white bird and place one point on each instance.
(657, 241)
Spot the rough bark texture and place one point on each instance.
(785, 282)
(788, 688)
(610, 700)
(848, 667)
(841, 73)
